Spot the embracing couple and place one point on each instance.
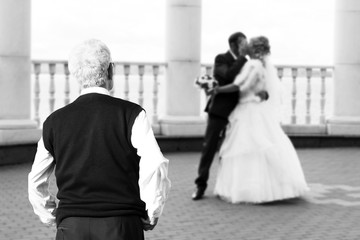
(258, 162)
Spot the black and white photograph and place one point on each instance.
(179, 119)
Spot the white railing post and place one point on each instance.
(141, 69)
(126, 87)
(322, 95)
(308, 95)
(280, 72)
(208, 70)
(294, 72)
(155, 93)
(37, 70)
(52, 86)
(67, 84)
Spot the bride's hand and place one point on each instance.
(264, 95)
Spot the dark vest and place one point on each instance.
(97, 168)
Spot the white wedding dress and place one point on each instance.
(258, 162)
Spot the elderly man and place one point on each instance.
(110, 173)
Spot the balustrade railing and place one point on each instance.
(310, 92)
(306, 97)
(137, 82)
(306, 92)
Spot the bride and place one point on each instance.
(258, 163)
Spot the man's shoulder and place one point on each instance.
(127, 107)
(60, 111)
(126, 103)
(57, 114)
(225, 56)
(114, 102)
(107, 100)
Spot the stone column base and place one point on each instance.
(182, 126)
(349, 126)
(18, 139)
(305, 129)
(18, 132)
(156, 128)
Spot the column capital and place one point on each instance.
(194, 3)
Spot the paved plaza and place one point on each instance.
(331, 210)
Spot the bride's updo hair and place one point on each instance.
(259, 46)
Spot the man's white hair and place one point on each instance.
(89, 63)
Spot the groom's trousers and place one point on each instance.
(101, 228)
(215, 131)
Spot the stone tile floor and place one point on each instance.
(331, 210)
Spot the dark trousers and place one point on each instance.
(213, 136)
(109, 228)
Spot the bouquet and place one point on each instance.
(206, 82)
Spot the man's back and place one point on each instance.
(111, 175)
(97, 168)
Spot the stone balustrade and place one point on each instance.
(307, 100)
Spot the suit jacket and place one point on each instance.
(226, 68)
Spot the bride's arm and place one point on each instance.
(243, 76)
(252, 76)
(239, 80)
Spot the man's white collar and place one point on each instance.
(100, 90)
(234, 56)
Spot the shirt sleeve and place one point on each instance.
(40, 197)
(153, 181)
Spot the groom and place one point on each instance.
(226, 67)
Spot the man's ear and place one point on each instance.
(109, 83)
(111, 71)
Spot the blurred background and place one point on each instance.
(300, 32)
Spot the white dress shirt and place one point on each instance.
(233, 54)
(153, 176)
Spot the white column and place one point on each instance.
(15, 124)
(183, 48)
(346, 118)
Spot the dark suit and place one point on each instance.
(219, 107)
